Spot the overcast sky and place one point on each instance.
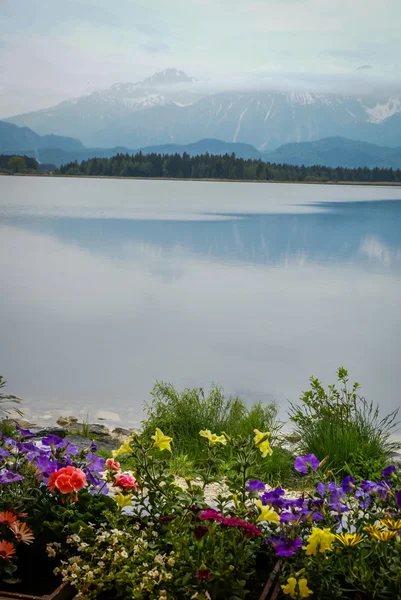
(54, 49)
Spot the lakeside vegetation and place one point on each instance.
(119, 525)
(208, 166)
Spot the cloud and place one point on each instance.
(364, 68)
(155, 47)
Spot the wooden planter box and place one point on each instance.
(64, 592)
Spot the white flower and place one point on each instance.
(169, 576)
(100, 563)
(82, 546)
(155, 534)
(159, 559)
(124, 553)
(51, 552)
(90, 575)
(56, 571)
(171, 562)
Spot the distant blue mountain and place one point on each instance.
(337, 152)
(19, 140)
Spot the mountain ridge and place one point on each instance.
(168, 107)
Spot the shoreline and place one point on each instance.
(209, 180)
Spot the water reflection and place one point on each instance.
(94, 310)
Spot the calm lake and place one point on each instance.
(110, 285)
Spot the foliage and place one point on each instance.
(209, 166)
(10, 164)
(6, 399)
(340, 424)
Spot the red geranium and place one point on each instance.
(67, 480)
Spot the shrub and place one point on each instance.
(6, 400)
(345, 427)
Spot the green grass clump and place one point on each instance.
(339, 424)
(182, 415)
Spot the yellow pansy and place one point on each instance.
(304, 591)
(391, 523)
(290, 587)
(161, 441)
(320, 540)
(261, 442)
(267, 513)
(124, 449)
(122, 500)
(213, 438)
(349, 539)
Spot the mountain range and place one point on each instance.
(170, 108)
(331, 152)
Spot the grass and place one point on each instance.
(183, 415)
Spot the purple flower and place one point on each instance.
(388, 472)
(339, 507)
(303, 462)
(54, 441)
(398, 499)
(9, 477)
(336, 493)
(285, 547)
(320, 488)
(364, 499)
(27, 447)
(274, 498)
(255, 485)
(348, 484)
(10, 442)
(4, 453)
(372, 487)
(24, 432)
(45, 466)
(71, 450)
(95, 463)
(292, 503)
(93, 447)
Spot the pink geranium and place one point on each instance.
(112, 464)
(126, 482)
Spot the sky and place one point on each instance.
(51, 50)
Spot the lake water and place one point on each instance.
(110, 285)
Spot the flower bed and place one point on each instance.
(140, 535)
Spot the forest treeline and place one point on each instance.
(209, 166)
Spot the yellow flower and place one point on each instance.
(124, 449)
(320, 540)
(379, 535)
(304, 591)
(349, 539)
(267, 513)
(290, 587)
(391, 523)
(213, 438)
(261, 442)
(122, 500)
(161, 441)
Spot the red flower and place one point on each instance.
(112, 465)
(67, 480)
(126, 482)
(7, 518)
(7, 549)
(203, 573)
(200, 531)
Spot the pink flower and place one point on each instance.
(126, 482)
(112, 465)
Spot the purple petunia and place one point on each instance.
(274, 497)
(320, 488)
(388, 472)
(398, 499)
(285, 547)
(255, 485)
(24, 432)
(9, 477)
(303, 463)
(348, 484)
(4, 453)
(54, 441)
